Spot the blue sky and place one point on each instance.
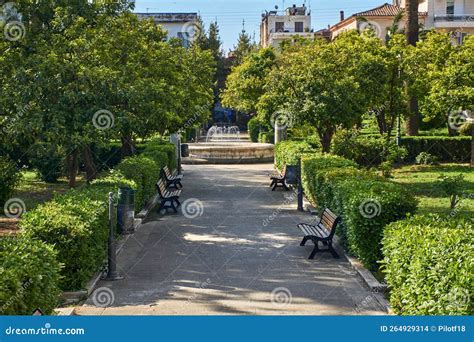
(230, 13)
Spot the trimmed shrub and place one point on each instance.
(253, 127)
(145, 173)
(107, 156)
(48, 160)
(366, 202)
(366, 150)
(29, 276)
(159, 145)
(77, 227)
(367, 206)
(446, 149)
(290, 152)
(9, 178)
(428, 264)
(424, 158)
(159, 157)
(266, 137)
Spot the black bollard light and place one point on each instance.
(112, 273)
(300, 188)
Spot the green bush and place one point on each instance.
(424, 158)
(29, 276)
(266, 137)
(159, 157)
(9, 178)
(77, 227)
(48, 160)
(289, 152)
(254, 126)
(366, 202)
(159, 145)
(107, 156)
(367, 206)
(429, 266)
(368, 151)
(446, 149)
(145, 173)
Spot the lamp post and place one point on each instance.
(398, 139)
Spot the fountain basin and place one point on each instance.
(229, 153)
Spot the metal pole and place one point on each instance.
(112, 273)
(300, 188)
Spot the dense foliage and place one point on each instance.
(9, 178)
(29, 276)
(290, 152)
(428, 264)
(365, 201)
(87, 72)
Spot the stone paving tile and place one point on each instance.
(240, 257)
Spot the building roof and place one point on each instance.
(385, 10)
(381, 11)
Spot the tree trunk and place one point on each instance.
(412, 35)
(89, 165)
(128, 148)
(72, 166)
(413, 121)
(326, 137)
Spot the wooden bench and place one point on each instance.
(321, 232)
(278, 178)
(172, 179)
(168, 196)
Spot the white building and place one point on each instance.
(455, 16)
(178, 25)
(275, 28)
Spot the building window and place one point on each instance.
(299, 26)
(184, 37)
(450, 7)
(279, 26)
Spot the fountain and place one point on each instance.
(226, 145)
(216, 133)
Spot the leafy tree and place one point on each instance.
(312, 82)
(246, 83)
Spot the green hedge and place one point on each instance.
(266, 137)
(29, 276)
(429, 266)
(446, 149)
(158, 145)
(365, 201)
(77, 227)
(253, 127)
(289, 152)
(9, 178)
(145, 173)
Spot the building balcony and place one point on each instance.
(454, 21)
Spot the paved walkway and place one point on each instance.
(240, 254)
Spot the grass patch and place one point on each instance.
(422, 181)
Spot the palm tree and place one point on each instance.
(412, 34)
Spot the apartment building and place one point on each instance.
(178, 25)
(455, 16)
(276, 28)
